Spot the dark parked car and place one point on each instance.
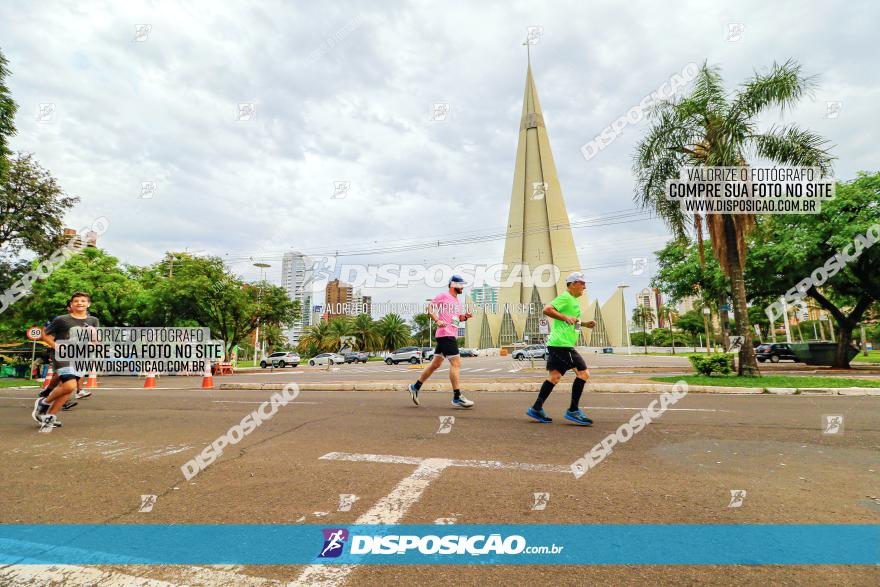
(464, 352)
(356, 357)
(775, 353)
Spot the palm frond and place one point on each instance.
(790, 145)
(783, 86)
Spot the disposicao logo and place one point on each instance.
(334, 540)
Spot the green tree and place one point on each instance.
(32, 208)
(643, 317)
(363, 327)
(7, 118)
(187, 290)
(691, 322)
(670, 313)
(339, 327)
(393, 331)
(421, 324)
(711, 127)
(114, 293)
(316, 339)
(791, 248)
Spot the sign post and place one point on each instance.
(33, 333)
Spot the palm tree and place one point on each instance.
(364, 328)
(668, 311)
(393, 332)
(337, 328)
(644, 317)
(318, 337)
(710, 128)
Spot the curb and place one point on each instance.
(534, 387)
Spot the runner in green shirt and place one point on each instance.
(566, 313)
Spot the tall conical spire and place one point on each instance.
(538, 232)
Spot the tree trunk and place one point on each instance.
(844, 341)
(724, 316)
(748, 363)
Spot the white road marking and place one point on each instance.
(391, 508)
(39, 575)
(667, 409)
(494, 370)
(229, 401)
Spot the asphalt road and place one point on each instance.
(602, 366)
(121, 444)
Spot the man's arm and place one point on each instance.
(549, 310)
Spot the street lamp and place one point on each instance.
(263, 267)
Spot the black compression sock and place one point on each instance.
(577, 388)
(546, 389)
(417, 385)
(456, 393)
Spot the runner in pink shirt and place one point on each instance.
(447, 311)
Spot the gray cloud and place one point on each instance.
(345, 92)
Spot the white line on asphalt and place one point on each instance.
(494, 370)
(667, 409)
(229, 401)
(391, 508)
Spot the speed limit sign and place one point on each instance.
(34, 333)
(544, 326)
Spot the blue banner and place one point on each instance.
(600, 544)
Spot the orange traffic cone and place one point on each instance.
(50, 375)
(92, 381)
(150, 382)
(207, 378)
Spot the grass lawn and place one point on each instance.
(772, 381)
(9, 382)
(873, 357)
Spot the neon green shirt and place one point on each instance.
(562, 333)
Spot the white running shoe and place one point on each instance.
(49, 423)
(83, 393)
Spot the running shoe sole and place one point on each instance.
(538, 417)
(578, 422)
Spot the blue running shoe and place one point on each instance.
(578, 417)
(538, 415)
(414, 393)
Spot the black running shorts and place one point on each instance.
(447, 346)
(563, 358)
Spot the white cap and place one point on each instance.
(576, 276)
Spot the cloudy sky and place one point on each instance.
(150, 92)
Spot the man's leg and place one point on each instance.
(577, 388)
(574, 413)
(454, 373)
(414, 388)
(60, 395)
(435, 363)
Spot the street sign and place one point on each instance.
(725, 307)
(544, 326)
(736, 343)
(34, 333)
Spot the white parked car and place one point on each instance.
(325, 358)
